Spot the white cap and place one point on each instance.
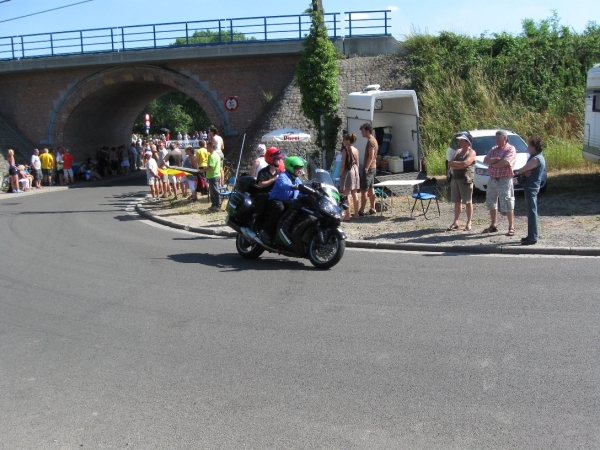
(465, 138)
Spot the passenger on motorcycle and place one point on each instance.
(266, 178)
(285, 189)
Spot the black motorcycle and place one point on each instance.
(308, 228)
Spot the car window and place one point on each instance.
(483, 144)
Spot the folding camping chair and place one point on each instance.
(226, 190)
(385, 144)
(425, 192)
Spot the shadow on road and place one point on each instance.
(232, 262)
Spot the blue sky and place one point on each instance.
(467, 17)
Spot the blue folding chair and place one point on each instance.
(226, 190)
(425, 193)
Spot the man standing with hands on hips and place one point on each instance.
(500, 190)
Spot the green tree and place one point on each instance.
(212, 37)
(316, 76)
(175, 111)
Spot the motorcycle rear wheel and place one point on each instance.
(325, 256)
(247, 249)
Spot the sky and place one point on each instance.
(426, 16)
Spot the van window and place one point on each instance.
(595, 104)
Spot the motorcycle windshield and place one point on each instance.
(324, 177)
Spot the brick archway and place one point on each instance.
(101, 109)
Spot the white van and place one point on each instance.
(394, 116)
(591, 130)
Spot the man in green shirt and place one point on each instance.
(213, 175)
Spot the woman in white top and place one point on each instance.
(259, 162)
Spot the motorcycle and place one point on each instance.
(308, 228)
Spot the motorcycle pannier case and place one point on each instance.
(240, 206)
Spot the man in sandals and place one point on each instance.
(367, 174)
(500, 189)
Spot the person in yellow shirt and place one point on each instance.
(202, 155)
(47, 165)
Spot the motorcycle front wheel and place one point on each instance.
(327, 255)
(247, 249)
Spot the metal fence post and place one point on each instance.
(112, 40)
(51, 45)
(22, 48)
(334, 25)
(81, 40)
(154, 34)
(123, 38)
(12, 46)
(231, 30)
(187, 39)
(265, 23)
(386, 25)
(220, 35)
(350, 24)
(299, 27)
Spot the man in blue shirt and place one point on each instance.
(285, 188)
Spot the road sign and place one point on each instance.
(231, 103)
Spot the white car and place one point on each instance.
(483, 141)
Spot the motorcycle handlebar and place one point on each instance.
(306, 189)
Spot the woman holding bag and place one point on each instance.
(461, 186)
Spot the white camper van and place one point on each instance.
(591, 131)
(394, 116)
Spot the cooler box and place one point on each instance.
(396, 165)
(409, 164)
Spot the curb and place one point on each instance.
(408, 246)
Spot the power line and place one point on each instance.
(42, 12)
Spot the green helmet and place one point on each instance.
(292, 162)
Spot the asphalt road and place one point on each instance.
(117, 333)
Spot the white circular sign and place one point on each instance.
(231, 103)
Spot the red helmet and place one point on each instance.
(272, 154)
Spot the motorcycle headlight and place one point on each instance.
(330, 209)
(481, 171)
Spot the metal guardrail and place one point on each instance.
(198, 33)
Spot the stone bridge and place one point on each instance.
(89, 100)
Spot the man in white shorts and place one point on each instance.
(152, 174)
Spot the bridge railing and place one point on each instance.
(203, 32)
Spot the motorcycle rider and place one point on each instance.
(285, 189)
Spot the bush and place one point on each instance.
(533, 83)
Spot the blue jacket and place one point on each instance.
(283, 189)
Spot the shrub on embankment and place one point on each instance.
(533, 83)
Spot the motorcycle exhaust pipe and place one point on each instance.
(249, 234)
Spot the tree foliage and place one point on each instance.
(175, 111)
(316, 76)
(533, 82)
(212, 37)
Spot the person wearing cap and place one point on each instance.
(259, 162)
(152, 174)
(462, 166)
(500, 190)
